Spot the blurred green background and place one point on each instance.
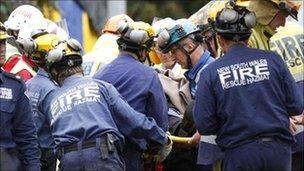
(144, 10)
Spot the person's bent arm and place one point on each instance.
(133, 124)
(25, 134)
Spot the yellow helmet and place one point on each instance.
(139, 25)
(45, 42)
(217, 6)
(138, 36)
(290, 6)
(112, 24)
(65, 54)
(3, 33)
(149, 43)
(135, 35)
(40, 43)
(266, 10)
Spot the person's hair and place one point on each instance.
(60, 75)
(194, 38)
(235, 37)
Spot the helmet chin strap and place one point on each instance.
(189, 64)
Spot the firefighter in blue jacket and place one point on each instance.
(246, 98)
(18, 138)
(38, 88)
(185, 42)
(89, 119)
(138, 84)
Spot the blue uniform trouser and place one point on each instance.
(133, 157)
(48, 160)
(258, 155)
(91, 159)
(102, 154)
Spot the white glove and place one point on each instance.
(166, 149)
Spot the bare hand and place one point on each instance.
(299, 120)
(292, 126)
(195, 139)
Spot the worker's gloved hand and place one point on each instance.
(166, 149)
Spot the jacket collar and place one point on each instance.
(73, 79)
(191, 74)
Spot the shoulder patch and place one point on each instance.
(12, 76)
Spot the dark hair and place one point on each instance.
(60, 75)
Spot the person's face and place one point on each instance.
(180, 56)
(212, 43)
(2, 52)
(166, 59)
(278, 20)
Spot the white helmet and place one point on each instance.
(53, 28)
(161, 24)
(22, 16)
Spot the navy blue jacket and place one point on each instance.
(248, 93)
(38, 88)
(139, 85)
(85, 108)
(17, 129)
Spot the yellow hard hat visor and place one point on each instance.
(44, 43)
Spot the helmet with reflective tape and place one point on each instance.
(290, 6)
(135, 36)
(65, 54)
(235, 22)
(217, 6)
(169, 37)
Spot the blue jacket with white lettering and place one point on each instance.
(140, 86)
(85, 108)
(17, 129)
(38, 88)
(246, 94)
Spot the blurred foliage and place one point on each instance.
(7, 6)
(146, 10)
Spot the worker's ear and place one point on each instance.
(189, 46)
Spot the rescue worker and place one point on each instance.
(105, 49)
(38, 88)
(201, 19)
(168, 62)
(22, 17)
(171, 77)
(184, 42)
(89, 117)
(270, 14)
(288, 43)
(245, 98)
(138, 84)
(18, 139)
